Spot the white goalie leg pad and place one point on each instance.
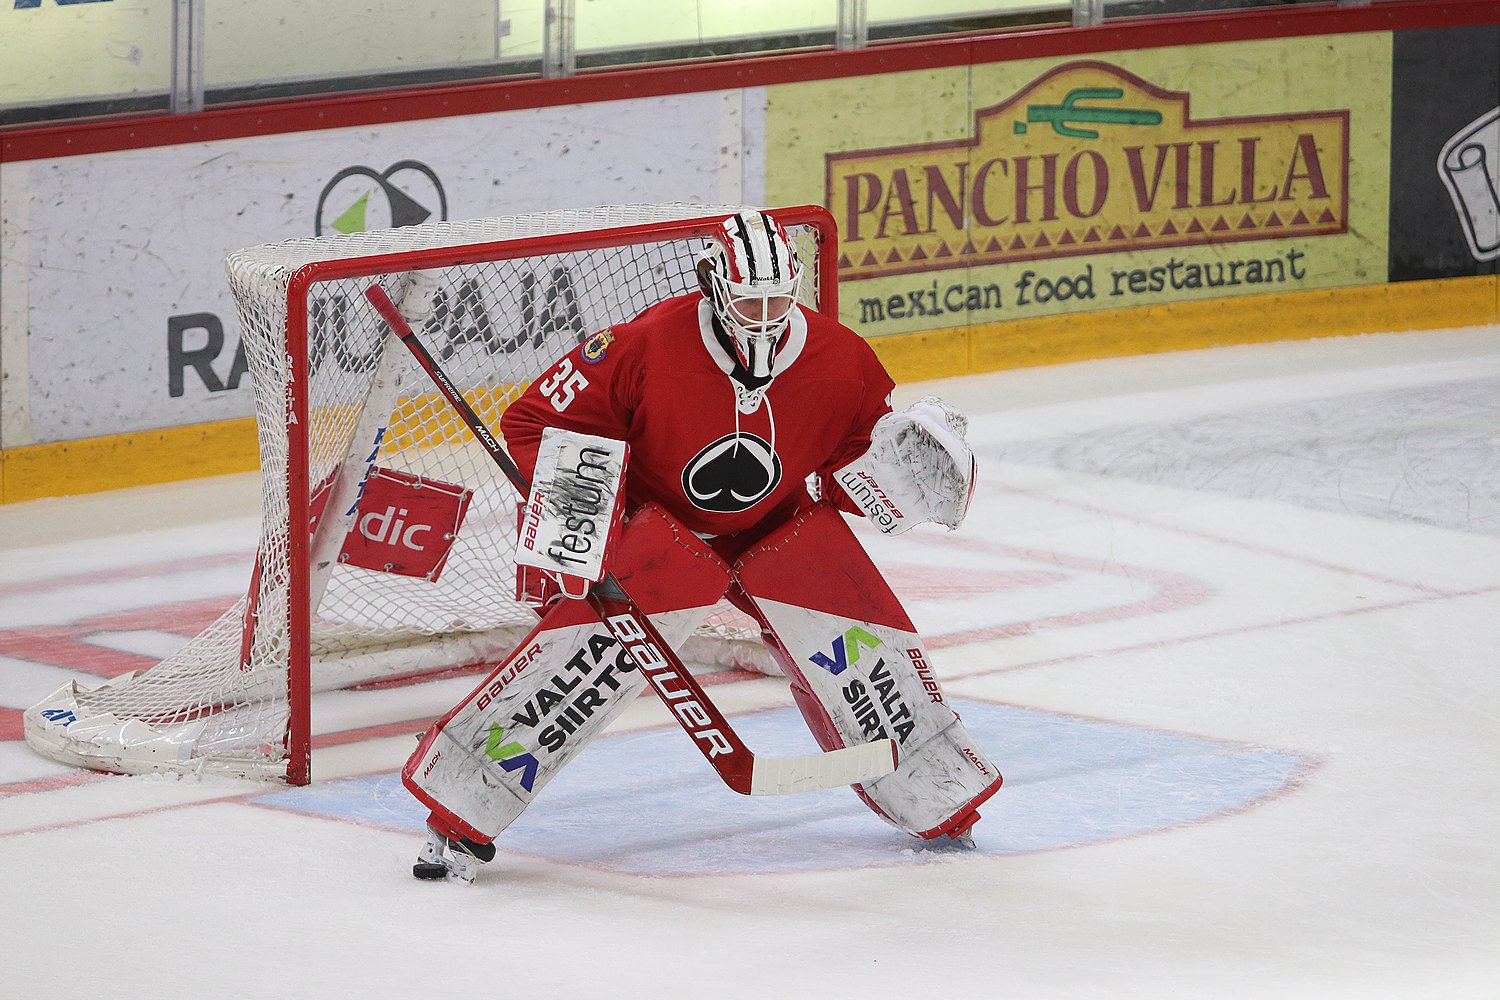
(918, 468)
(482, 764)
(859, 673)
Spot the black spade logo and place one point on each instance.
(732, 474)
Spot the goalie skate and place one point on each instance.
(456, 858)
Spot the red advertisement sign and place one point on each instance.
(406, 524)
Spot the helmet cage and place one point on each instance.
(755, 311)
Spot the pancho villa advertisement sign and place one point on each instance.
(1089, 159)
(1018, 189)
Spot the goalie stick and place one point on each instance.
(739, 767)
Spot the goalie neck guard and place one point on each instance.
(751, 276)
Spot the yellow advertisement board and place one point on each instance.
(1011, 190)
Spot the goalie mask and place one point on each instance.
(750, 274)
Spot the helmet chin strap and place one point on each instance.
(741, 373)
(760, 357)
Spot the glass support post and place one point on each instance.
(1088, 13)
(559, 53)
(187, 57)
(853, 24)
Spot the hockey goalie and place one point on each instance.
(675, 451)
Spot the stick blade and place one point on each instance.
(848, 766)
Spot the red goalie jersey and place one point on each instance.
(722, 458)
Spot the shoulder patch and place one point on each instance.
(594, 347)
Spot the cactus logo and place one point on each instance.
(358, 199)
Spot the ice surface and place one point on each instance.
(1226, 619)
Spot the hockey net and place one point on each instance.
(344, 417)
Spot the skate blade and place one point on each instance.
(461, 869)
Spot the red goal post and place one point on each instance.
(358, 449)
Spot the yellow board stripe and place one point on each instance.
(1185, 326)
(427, 421)
(141, 458)
(90, 465)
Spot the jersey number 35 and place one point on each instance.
(562, 385)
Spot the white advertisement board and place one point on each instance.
(117, 316)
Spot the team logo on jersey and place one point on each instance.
(595, 346)
(734, 473)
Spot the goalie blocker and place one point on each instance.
(574, 507)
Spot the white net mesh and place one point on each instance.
(493, 324)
